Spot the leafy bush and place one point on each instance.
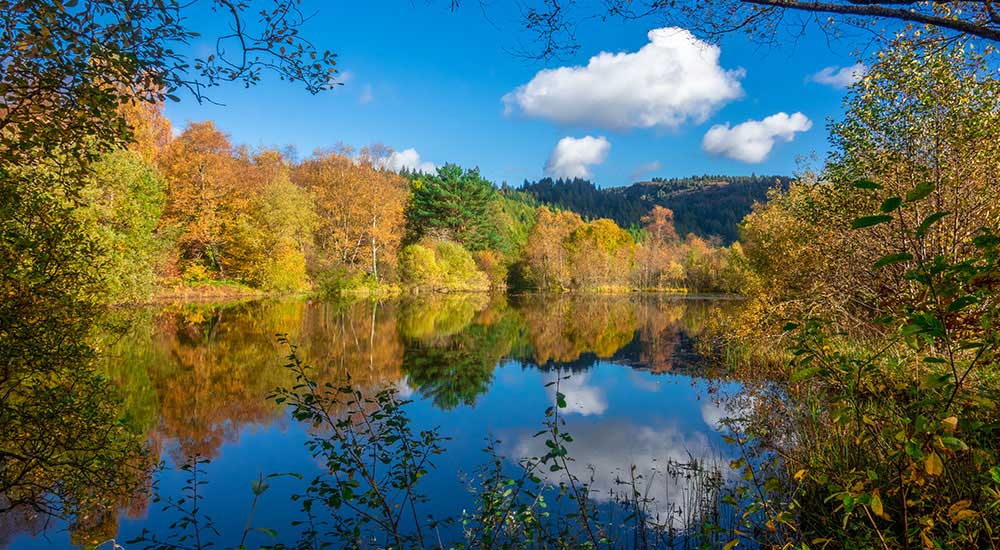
(196, 273)
(440, 265)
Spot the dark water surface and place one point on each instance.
(196, 378)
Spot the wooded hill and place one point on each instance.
(708, 205)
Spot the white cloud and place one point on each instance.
(840, 77)
(572, 156)
(581, 397)
(669, 81)
(366, 96)
(409, 159)
(753, 140)
(646, 168)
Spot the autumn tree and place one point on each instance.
(601, 254)
(659, 225)
(150, 127)
(455, 204)
(269, 239)
(439, 264)
(657, 264)
(546, 255)
(704, 263)
(203, 194)
(920, 126)
(360, 209)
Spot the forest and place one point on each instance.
(198, 215)
(708, 206)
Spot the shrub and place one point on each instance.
(196, 273)
(440, 265)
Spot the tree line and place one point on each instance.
(198, 211)
(708, 206)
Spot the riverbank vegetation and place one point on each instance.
(879, 277)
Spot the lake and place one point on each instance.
(196, 378)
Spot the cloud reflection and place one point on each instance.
(581, 398)
(608, 449)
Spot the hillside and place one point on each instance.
(704, 205)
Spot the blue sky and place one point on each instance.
(420, 76)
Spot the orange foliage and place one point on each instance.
(203, 192)
(361, 211)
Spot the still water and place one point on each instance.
(196, 378)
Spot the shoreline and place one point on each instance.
(232, 293)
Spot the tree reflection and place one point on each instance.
(64, 450)
(196, 375)
(454, 367)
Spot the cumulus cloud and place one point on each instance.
(572, 156)
(409, 159)
(673, 79)
(753, 140)
(840, 77)
(646, 168)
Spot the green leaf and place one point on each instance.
(866, 184)
(920, 191)
(560, 400)
(868, 221)
(890, 204)
(929, 221)
(893, 259)
(803, 374)
(269, 532)
(961, 303)
(954, 443)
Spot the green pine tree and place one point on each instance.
(456, 204)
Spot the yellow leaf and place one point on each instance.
(933, 465)
(877, 505)
(731, 544)
(950, 424)
(964, 514)
(800, 474)
(960, 508)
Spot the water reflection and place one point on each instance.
(195, 381)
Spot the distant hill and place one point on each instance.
(704, 205)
